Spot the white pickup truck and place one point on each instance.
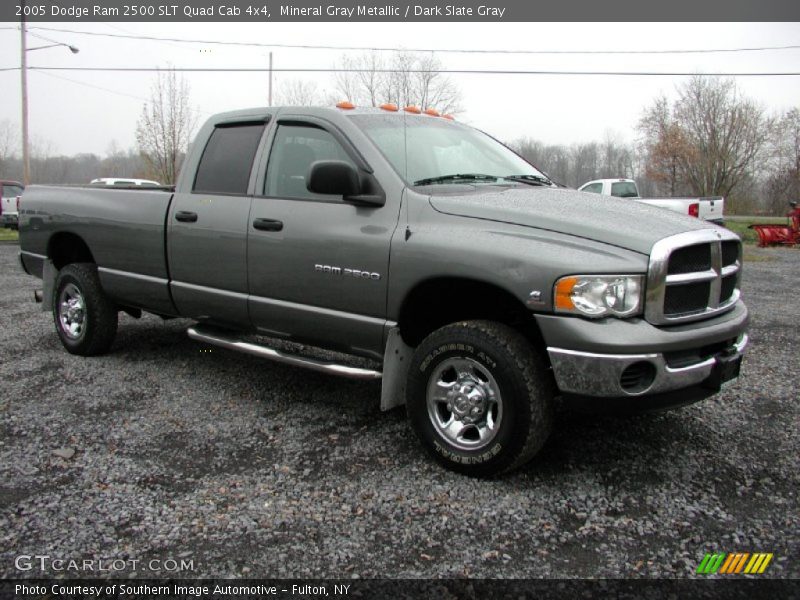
(708, 209)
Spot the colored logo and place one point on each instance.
(743, 563)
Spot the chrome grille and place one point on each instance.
(693, 276)
(690, 259)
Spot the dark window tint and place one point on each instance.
(294, 149)
(123, 182)
(228, 158)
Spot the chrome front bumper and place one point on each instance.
(590, 374)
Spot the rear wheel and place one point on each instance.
(479, 397)
(85, 318)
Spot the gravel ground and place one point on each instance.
(166, 449)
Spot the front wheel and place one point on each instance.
(479, 397)
(85, 318)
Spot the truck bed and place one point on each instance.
(125, 227)
(711, 208)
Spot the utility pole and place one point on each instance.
(26, 162)
(23, 69)
(269, 99)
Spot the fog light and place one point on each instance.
(637, 377)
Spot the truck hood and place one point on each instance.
(616, 221)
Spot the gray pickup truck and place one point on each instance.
(479, 290)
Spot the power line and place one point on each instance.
(104, 89)
(427, 50)
(441, 71)
(90, 85)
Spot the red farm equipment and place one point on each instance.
(780, 235)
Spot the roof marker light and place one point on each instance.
(432, 112)
(389, 106)
(345, 105)
(412, 109)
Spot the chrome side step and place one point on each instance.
(217, 338)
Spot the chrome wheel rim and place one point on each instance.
(71, 311)
(464, 403)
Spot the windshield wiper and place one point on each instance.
(456, 177)
(529, 179)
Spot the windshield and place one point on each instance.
(425, 150)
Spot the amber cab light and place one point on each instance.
(345, 105)
(432, 112)
(390, 107)
(413, 109)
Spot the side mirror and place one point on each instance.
(337, 177)
(333, 177)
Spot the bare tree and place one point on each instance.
(298, 92)
(616, 157)
(666, 147)
(405, 79)
(345, 82)
(165, 127)
(45, 168)
(709, 140)
(726, 131)
(370, 78)
(8, 144)
(575, 165)
(783, 182)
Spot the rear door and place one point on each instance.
(207, 228)
(318, 267)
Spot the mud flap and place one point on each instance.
(49, 274)
(396, 360)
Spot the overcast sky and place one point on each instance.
(74, 118)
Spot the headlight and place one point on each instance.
(600, 295)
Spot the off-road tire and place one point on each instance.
(100, 313)
(520, 373)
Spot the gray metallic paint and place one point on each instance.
(518, 238)
(124, 230)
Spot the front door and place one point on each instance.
(318, 267)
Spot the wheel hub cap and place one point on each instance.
(464, 403)
(469, 403)
(71, 311)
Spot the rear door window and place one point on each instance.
(228, 159)
(593, 188)
(11, 191)
(624, 189)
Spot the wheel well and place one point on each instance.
(438, 302)
(66, 248)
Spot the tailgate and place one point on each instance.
(712, 209)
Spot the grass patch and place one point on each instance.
(9, 235)
(752, 257)
(742, 228)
